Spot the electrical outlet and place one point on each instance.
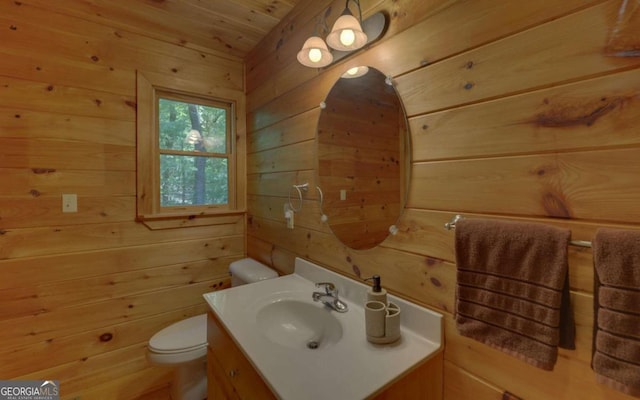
(289, 215)
(69, 203)
(290, 220)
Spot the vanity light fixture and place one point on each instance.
(347, 35)
(315, 53)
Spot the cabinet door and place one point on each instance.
(424, 382)
(219, 386)
(231, 365)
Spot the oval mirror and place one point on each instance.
(363, 158)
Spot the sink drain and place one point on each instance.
(312, 344)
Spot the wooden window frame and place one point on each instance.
(151, 87)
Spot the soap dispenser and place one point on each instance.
(376, 292)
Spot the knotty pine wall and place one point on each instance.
(82, 293)
(515, 112)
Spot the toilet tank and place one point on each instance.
(248, 270)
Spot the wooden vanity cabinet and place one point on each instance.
(425, 382)
(231, 375)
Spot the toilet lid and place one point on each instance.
(184, 335)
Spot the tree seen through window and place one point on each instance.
(194, 153)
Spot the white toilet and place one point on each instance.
(183, 345)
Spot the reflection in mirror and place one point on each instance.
(363, 158)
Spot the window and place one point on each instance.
(194, 149)
(187, 154)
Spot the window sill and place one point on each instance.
(185, 220)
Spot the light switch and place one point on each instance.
(69, 203)
(343, 194)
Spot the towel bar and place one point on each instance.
(452, 225)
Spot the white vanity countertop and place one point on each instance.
(350, 368)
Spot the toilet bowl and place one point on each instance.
(183, 345)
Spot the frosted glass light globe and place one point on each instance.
(346, 34)
(315, 55)
(347, 37)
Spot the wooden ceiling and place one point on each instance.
(231, 27)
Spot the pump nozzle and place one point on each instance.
(377, 287)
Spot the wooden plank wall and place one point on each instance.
(82, 293)
(515, 111)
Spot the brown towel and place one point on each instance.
(616, 327)
(513, 288)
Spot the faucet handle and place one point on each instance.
(329, 287)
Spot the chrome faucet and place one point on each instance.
(330, 297)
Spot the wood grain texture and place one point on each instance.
(516, 113)
(500, 68)
(237, 376)
(431, 31)
(41, 96)
(460, 384)
(423, 382)
(301, 127)
(569, 185)
(270, 70)
(90, 344)
(229, 28)
(82, 293)
(594, 113)
(85, 47)
(25, 124)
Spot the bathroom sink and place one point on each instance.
(298, 324)
(303, 349)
